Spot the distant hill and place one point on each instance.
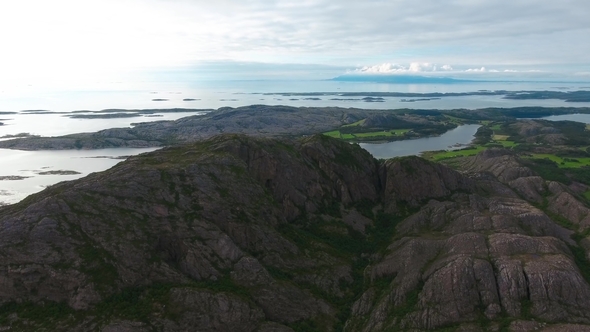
(401, 79)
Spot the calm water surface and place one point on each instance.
(450, 140)
(30, 163)
(584, 118)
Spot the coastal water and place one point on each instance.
(234, 93)
(207, 95)
(451, 140)
(584, 118)
(51, 124)
(22, 172)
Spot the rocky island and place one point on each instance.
(59, 172)
(13, 177)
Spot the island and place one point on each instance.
(567, 96)
(59, 172)
(357, 125)
(13, 177)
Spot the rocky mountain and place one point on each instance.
(238, 233)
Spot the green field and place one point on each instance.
(563, 162)
(455, 153)
(371, 134)
(358, 123)
(500, 137)
(506, 144)
(455, 119)
(338, 134)
(375, 133)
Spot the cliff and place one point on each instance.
(238, 233)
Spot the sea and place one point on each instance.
(46, 110)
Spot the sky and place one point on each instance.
(108, 39)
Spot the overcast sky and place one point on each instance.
(71, 38)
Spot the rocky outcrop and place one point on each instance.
(250, 234)
(563, 203)
(537, 131)
(412, 180)
(503, 164)
(556, 197)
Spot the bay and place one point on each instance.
(30, 166)
(451, 140)
(578, 117)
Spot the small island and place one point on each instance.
(104, 116)
(59, 172)
(417, 99)
(19, 135)
(13, 177)
(373, 99)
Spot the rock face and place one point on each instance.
(249, 234)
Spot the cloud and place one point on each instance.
(99, 35)
(392, 68)
(485, 70)
(425, 68)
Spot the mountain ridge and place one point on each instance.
(255, 234)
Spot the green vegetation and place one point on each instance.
(358, 123)
(496, 127)
(346, 243)
(455, 119)
(396, 132)
(367, 135)
(550, 170)
(471, 151)
(338, 134)
(41, 317)
(505, 144)
(563, 162)
(133, 303)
